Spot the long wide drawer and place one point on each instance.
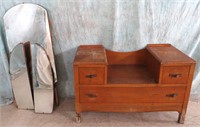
(132, 94)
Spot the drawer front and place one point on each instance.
(132, 95)
(91, 75)
(175, 74)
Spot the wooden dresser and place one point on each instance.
(156, 78)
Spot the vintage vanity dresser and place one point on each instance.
(156, 78)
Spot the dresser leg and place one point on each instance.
(181, 118)
(78, 118)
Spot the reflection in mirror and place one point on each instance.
(42, 79)
(19, 78)
(29, 22)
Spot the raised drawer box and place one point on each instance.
(156, 78)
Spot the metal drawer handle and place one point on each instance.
(171, 95)
(91, 76)
(175, 75)
(91, 95)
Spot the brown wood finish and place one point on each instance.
(153, 66)
(122, 58)
(93, 56)
(175, 74)
(91, 75)
(130, 107)
(132, 95)
(129, 74)
(167, 54)
(187, 94)
(156, 78)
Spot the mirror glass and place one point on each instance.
(42, 76)
(29, 22)
(41, 68)
(20, 78)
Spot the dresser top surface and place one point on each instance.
(90, 54)
(166, 53)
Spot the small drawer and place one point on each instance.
(91, 75)
(175, 74)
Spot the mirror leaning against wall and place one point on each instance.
(29, 23)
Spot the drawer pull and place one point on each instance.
(91, 95)
(174, 75)
(91, 76)
(171, 95)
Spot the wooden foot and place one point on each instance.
(78, 118)
(181, 118)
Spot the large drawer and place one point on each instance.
(91, 75)
(132, 94)
(175, 74)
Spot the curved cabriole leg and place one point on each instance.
(78, 118)
(181, 118)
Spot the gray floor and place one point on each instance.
(64, 116)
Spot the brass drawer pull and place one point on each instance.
(91, 95)
(171, 95)
(91, 76)
(175, 75)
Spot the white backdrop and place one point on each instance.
(120, 25)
